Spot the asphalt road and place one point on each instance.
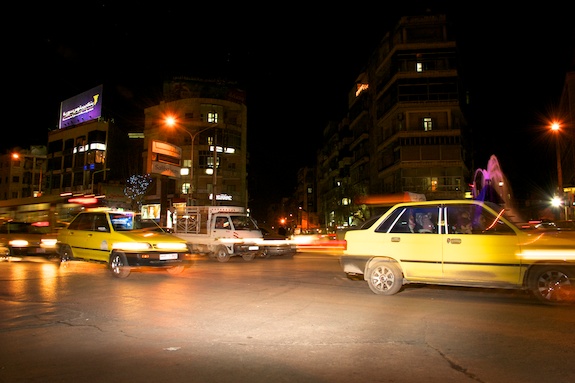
(269, 320)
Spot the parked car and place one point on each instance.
(274, 243)
(19, 239)
(122, 240)
(460, 243)
(565, 224)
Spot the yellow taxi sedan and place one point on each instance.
(460, 243)
(122, 240)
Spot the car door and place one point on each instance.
(486, 254)
(88, 236)
(413, 239)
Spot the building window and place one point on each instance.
(185, 188)
(212, 117)
(427, 124)
(419, 67)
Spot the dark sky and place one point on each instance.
(296, 62)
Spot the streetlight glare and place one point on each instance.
(555, 126)
(170, 120)
(556, 202)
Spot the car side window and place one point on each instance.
(82, 222)
(459, 219)
(473, 219)
(414, 220)
(400, 221)
(223, 223)
(101, 223)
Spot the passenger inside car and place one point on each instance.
(425, 223)
(464, 224)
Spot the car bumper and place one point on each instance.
(353, 265)
(280, 250)
(246, 248)
(159, 259)
(32, 251)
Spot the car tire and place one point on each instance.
(176, 269)
(553, 284)
(222, 254)
(265, 253)
(119, 265)
(65, 254)
(384, 278)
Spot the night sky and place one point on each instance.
(297, 65)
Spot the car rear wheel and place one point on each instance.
(119, 265)
(553, 284)
(222, 254)
(384, 278)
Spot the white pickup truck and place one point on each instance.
(220, 232)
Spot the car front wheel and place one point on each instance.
(553, 284)
(222, 254)
(384, 278)
(119, 265)
(65, 253)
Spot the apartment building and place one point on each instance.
(195, 144)
(405, 131)
(22, 172)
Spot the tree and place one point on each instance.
(137, 187)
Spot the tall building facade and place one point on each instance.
(195, 144)
(405, 131)
(22, 173)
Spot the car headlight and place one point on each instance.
(48, 242)
(172, 246)
(18, 243)
(132, 246)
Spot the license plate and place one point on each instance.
(164, 257)
(254, 248)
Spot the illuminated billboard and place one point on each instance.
(81, 108)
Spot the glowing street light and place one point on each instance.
(171, 121)
(556, 129)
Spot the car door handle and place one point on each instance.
(454, 241)
(395, 239)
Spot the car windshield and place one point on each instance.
(126, 221)
(242, 222)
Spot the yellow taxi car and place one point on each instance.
(122, 240)
(460, 243)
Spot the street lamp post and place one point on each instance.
(170, 121)
(556, 127)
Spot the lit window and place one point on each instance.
(213, 117)
(427, 124)
(419, 67)
(185, 188)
